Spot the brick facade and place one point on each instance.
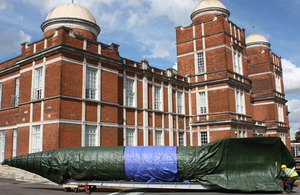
(64, 111)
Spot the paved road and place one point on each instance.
(13, 187)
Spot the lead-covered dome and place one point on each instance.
(257, 40)
(71, 11)
(209, 7)
(73, 16)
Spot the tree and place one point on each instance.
(297, 136)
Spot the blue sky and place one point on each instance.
(145, 29)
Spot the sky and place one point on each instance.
(145, 29)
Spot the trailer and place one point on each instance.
(90, 186)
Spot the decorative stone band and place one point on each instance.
(258, 44)
(71, 23)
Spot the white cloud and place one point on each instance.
(291, 78)
(3, 5)
(160, 50)
(294, 108)
(109, 20)
(46, 6)
(10, 40)
(132, 20)
(175, 66)
(6, 6)
(178, 11)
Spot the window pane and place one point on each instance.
(237, 101)
(2, 145)
(202, 102)
(242, 103)
(278, 83)
(38, 83)
(234, 62)
(90, 135)
(157, 98)
(204, 139)
(181, 139)
(129, 92)
(15, 137)
(35, 139)
(158, 138)
(129, 137)
(280, 113)
(239, 64)
(16, 98)
(200, 59)
(180, 102)
(91, 78)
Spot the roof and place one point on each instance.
(209, 4)
(255, 38)
(71, 11)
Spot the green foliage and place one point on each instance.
(297, 136)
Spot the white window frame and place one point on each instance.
(158, 138)
(203, 138)
(2, 145)
(237, 62)
(16, 98)
(129, 92)
(157, 97)
(280, 112)
(15, 142)
(180, 138)
(200, 63)
(91, 83)
(38, 84)
(241, 132)
(278, 82)
(130, 137)
(90, 135)
(240, 63)
(202, 102)
(180, 104)
(36, 139)
(240, 101)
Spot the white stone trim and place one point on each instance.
(9, 78)
(204, 50)
(258, 74)
(266, 103)
(72, 25)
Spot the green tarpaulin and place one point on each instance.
(250, 164)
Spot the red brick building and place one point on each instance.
(69, 90)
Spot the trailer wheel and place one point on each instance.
(67, 189)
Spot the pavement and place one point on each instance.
(14, 187)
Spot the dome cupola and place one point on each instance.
(257, 40)
(72, 16)
(209, 7)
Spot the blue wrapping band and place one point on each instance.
(151, 163)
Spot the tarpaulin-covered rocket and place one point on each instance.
(250, 164)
